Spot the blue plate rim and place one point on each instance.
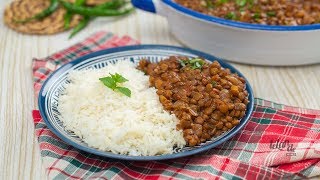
(227, 136)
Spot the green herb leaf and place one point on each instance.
(118, 78)
(124, 91)
(111, 82)
(182, 63)
(209, 4)
(220, 2)
(251, 3)
(231, 15)
(271, 13)
(256, 16)
(241, 3)
(214, 83)
(195, 63)
(192, 61)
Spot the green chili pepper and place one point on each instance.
(82, 24)
(68, 15)
(54, 4)
(115, 4)
(79, 2)
(92, 11)
(67, 19)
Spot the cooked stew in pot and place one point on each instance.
(206, 98)
(270, 12)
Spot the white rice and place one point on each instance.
(111, 121)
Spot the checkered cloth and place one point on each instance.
(279, 142)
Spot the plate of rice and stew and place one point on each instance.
(147, 102)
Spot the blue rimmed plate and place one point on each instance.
(54, 86)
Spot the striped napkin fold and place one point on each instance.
(279, 142)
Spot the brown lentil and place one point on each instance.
(205, 108)
(270, 12)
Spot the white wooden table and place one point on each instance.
(19, 152)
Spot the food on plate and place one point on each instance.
(35, 17)
(206, 98)
(152, 108)
(96, 108)
(270, 12)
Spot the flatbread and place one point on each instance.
(22, 9)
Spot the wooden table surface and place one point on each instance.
(19, 151)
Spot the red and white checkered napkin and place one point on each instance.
(279, 142)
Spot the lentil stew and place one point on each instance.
(207, 99)
(268, 12)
